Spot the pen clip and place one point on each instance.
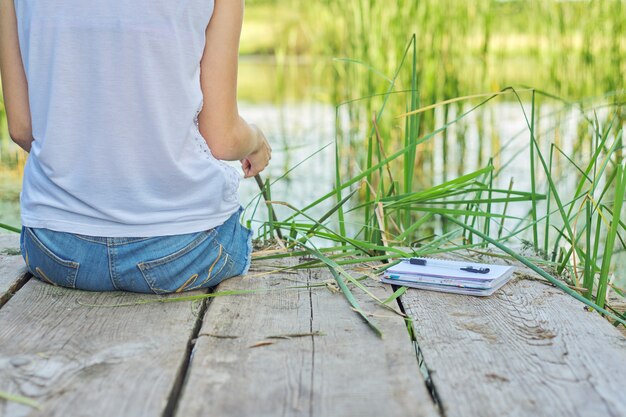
(475, 270)
(472, 269)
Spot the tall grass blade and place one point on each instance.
(333, 267)
(20, 400)
(10, 228)
(588, 275)
(620, 188)
(540, 271)
(533, 203)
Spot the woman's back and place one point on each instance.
(114, 88)
(118, 104)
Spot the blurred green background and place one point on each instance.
(299, 59)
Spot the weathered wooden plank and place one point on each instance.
(80, 360)
(230, 377)
(13, 272)
(344, 372)
(9, 243)
(528, 350)
(355, 372)
(13, 275)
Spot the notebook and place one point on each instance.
(459, 277)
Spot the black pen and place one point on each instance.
(442, 264)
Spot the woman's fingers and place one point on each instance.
(259, 159)
(245, 166)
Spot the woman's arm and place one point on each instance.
(14, 84)
(229, 136)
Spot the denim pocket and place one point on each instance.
(201, 263)
(45, 264)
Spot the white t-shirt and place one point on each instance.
(114, 91)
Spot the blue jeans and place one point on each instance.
(159, 265)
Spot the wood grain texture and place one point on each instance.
(228, 376)
(528, 350)
(9, 242)
(79, 360)
(347, 371)
(355, 372)
(13, 275)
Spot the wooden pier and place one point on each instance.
(294, 347)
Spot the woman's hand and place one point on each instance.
(258, 159)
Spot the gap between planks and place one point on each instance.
(528, 350)
(347, 371)
(421, 363)
(69, 352)
(13, 273)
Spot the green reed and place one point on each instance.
(466, 46)
(581, 225)
(385, 159)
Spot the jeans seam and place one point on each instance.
(231, 257)
(246, 268)
(228, 260)
(154, 289)
(72, 267)
(112, 273)
(88, 239)
(121, 242)
(145, 267)
(181, 252)
(48, 252)
(75, 276)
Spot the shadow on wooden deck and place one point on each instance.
(294, 347)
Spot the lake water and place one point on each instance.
(301, 129)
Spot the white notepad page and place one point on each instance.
(449, 269)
